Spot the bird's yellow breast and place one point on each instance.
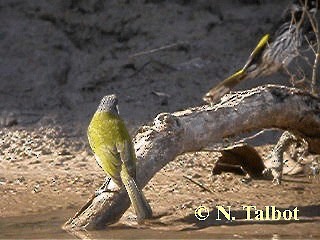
(106, 129)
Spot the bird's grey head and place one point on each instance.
(109, 103)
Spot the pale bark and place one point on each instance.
(198, 128)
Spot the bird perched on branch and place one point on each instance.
(272, 52)
(114, 152)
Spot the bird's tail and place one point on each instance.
(137, 198)
(224, 87)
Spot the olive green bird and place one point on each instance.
(112, 145)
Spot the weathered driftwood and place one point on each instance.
(282, 145)
(194, 129)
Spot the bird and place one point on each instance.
(274, 51)
(113, 150)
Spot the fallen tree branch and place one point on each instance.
(197, 128)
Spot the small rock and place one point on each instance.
(20, 180)
(228, 177)
(37, 188)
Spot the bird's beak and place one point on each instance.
(117, 108)
(217, 92)
(257, 51)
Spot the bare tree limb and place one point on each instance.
(194, 129)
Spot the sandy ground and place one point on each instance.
(62, 56)
(50, 171)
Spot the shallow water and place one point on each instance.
(48, 226)
(33, 226)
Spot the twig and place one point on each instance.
(162, 65)
(315, 29)
(234, 166)
(293, 19)
(311, 46)
(140, 69)
(198, 184)
(315, 48)
(165, 47)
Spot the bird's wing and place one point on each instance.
(110, 161)
(128, 157)
(218, 91)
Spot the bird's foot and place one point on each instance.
(104, 187)
(100, 191)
